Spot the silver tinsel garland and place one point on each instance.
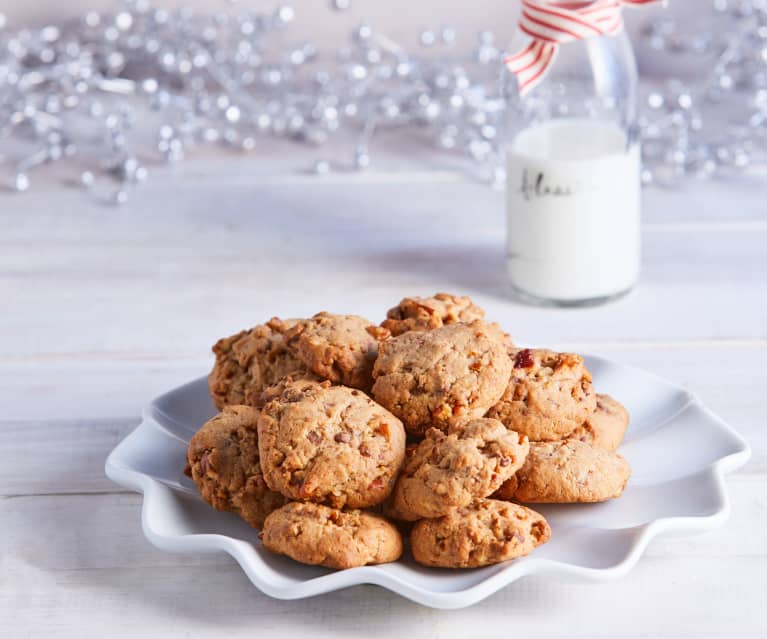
(714, 123)
(76, 93)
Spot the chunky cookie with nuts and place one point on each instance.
(426, 313)
(319, 535)
(487, 532)
(567, 471)
(329, 444)
(249, 362)
(438, 377)
(225, 466)
(606, 426)
(448, 471)
(548, 395)
(341, 348)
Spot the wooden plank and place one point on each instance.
(171, 287)
(226, 189)
(97, 563)
(65, 457)
(60, 444)
(672, 599)
(77, 518)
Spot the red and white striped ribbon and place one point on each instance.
(551, 24)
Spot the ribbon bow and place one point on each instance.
(551, 25)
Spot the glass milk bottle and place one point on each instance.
(572, 158)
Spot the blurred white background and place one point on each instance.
(401, 19)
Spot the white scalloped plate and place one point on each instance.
(679, 452)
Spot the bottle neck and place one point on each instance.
(594, 78)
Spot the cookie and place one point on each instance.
(341, 348)
(565, 472)
(426, 313)
(606, 426)
(487, 532)
(249, 362)
(452, 470)
(224, 464)
(437, 377)
(549, 395)
(330, 444)
(319, 535)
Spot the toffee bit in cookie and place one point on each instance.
(314, 437)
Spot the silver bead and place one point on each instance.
(123, 21)
(655, 100)
(427, 38)
(87, 179)
(232, 114)
(120, 196)
(361, 159)
(21, 182)
(321, 167)
(285, 14)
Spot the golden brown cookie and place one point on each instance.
(341, 348)
(224, 464)
(437, 377)
(452, 470)
(565, 472)
(426, 313)
(330, 444)
(487, 532)
(548, 396)
(319, 535)
(249, 362)
(606, 426)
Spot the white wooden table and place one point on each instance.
(104, 308)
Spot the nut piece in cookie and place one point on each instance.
(319, 535)
(224, 464)
(426, 313)
(249, 362)
(548, 396)
(487, 532)
(341, 348)
(438, 377)
(567, 471)
(330, 444)
(452, 470)
(606, 426)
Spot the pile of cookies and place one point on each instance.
(337, 436)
